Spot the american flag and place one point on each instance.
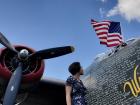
(108, 32)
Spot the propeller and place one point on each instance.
(22, 56)
(52, 52)
(13, 86)
(6, 43)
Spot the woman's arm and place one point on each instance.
(68, 90)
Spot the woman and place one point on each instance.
(75, 90)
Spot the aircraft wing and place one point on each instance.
(46, 92)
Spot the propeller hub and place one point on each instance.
(23, 54)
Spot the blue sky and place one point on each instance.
(42, 24)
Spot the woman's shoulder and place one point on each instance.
(69, 80)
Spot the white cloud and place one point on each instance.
(103, 1)
(102, 12)
(130, 9)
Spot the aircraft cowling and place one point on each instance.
(32, 72)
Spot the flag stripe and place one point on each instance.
(104, 28)
(115, 42)
(99, 27)
(100, 31)
(102, 36)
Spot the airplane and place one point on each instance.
(21, 69)
(113, 78)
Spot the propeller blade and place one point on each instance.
(13, 87)
(6, 43)
(52, 52)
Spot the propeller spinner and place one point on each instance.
(23, 54)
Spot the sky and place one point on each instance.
(42, 24)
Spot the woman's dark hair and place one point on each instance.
(74, 68)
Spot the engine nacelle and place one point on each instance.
(33, 69)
